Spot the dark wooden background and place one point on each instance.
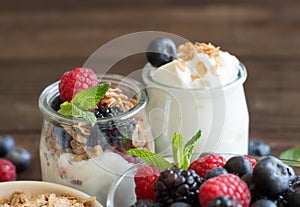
(39, 40)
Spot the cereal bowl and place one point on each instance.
(36, 188)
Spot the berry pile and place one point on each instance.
(211, 181)
(12, 160)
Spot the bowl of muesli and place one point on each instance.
(39, 193)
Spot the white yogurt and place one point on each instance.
(92, 176)
(199, 90)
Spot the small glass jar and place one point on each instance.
(221, 114)
(75, 153)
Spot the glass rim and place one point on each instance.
(242, 76)
(52, 91)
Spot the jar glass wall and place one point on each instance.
(86, 157)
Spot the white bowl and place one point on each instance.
(40, 187)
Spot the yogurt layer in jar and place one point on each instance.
(89, 157)
(201, 87)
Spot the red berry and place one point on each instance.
(225, 185)
(251, 160)
(7, 171)
(74, 81)
(145, 178)
(203, 164)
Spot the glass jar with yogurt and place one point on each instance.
(202, 88)
(75, 153)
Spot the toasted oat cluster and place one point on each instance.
(26, 199)
(189, 50)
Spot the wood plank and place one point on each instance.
(254, 31)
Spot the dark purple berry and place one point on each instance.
(21, 159)
(178, 185)
(7, 144)
(247, 178)
(258, 147)
(215, 172)
(271, 176)
(263, 203)
(62, 137)
(238, 165)
(161, 51)
(223, 201)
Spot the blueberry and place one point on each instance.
(263, 203)
(271, 176)
(247, 178)
(21, 159)
(180, 204)
(238, 165)
(7, 144)
(161, 51)
(223, 201)
(258, 147)
(215, 172)
(62, 137)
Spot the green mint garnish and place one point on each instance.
(151, 158)
(83, 101)
(182, 153)
(291, 154)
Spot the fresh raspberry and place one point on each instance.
(251, 160)
(7, 170)
(203, 164)
(145, 178)
(74, 81)
(225, 185)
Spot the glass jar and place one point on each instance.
(220, 113)
(75, 153)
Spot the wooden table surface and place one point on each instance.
(40, 40)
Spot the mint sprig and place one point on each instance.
(151, 158)
(182, 153)
(83, 101)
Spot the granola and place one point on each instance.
(26, 199)
(81, 133)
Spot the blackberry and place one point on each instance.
(271, 176)
(115, 133)
(223, 201)
(258, 147)
(263, 203)
(178, 185)
(215, 172)
(238, 165)
(146, 203)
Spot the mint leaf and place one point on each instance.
(189, 148)
(291, 154)
(83, 101)
(70, 109)
(178, 150)
(65, 109)
(88, 98)
(151, 158)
